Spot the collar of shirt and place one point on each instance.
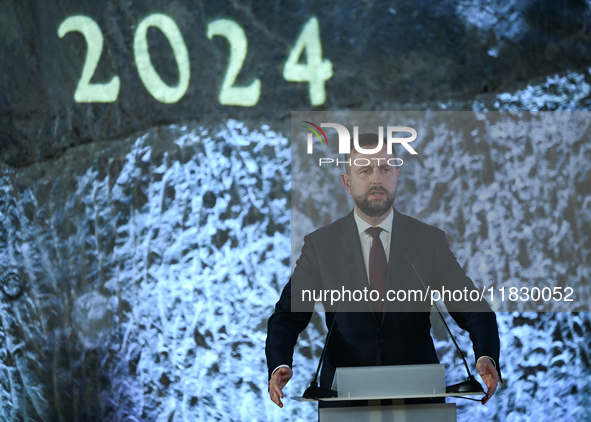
(366, 239)
(363, 225)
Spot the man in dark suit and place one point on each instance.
(372, 249)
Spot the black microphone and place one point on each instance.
(471, 385)
(314, 391)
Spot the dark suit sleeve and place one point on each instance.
(284, 326)
(484, 333)
(476, 317)
(283, 330)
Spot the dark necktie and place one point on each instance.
(378, 268)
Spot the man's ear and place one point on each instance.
(346, 181)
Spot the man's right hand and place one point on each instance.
(277, 382)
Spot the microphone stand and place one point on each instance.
(314, 391)
(471, 385)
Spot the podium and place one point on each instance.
(394, 383)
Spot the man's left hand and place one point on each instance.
(490, 376)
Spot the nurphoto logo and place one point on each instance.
(345, 137)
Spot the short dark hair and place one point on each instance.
(365, 140)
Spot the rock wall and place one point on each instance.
(385, 55)
(146, 270)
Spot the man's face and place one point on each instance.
(372, 185)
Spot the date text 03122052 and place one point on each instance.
(315, 71)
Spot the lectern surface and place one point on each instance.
(396, 381)
(422, 396)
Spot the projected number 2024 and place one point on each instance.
(315, 71)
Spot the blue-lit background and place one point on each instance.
(185, 233)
